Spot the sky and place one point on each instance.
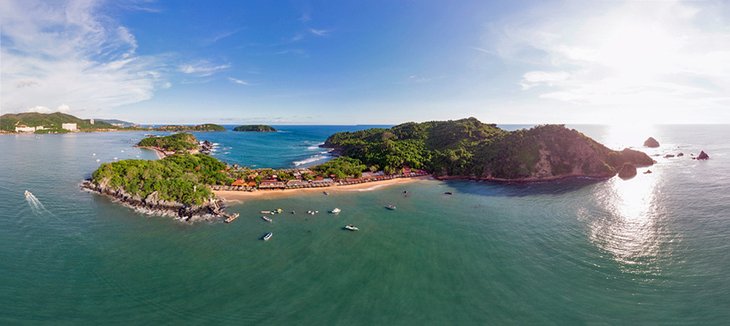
(368, 62)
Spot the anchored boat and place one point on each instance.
(267, 219)
(267, 236)
(335, 210)
(390, 207)
(351, 227)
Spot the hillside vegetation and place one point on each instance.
(9, 121)
(255, 128)
(470, 148)
(179, 178)
(203, 127)
(174, 143)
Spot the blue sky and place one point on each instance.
(368, 62)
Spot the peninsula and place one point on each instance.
(44, 123)
(255, 128)
(184, 183)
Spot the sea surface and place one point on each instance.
(650, 250)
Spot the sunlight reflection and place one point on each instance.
(628, 225)
(624, 135)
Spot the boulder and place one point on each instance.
(669, 156)
(680, 154)
(627, 171)
(651, 142)
(703, 156)
(647, 172)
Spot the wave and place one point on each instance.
(314, 147)
(311, 159)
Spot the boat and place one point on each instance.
(231, 218)
(390, 207)
(279, 210)
(448, 193)
(27, 194)
(265, 212)
(326, 193)
(351, 227)
(335, 210)
(267, 236)
(267, 219)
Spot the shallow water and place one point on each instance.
(648, 250)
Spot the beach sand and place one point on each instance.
(240, 196)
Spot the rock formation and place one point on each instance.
(627, 171)
(651, 143)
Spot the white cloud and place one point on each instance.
(238, 81)
(658, 55)
(202, 68)
(69, 54)
(319, 32)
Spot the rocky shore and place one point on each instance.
(211, 211)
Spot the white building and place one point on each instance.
(24, 128)
(69, 126)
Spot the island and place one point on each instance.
(255, 128)
(200, 128)
(184, 182)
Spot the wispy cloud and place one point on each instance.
(69, 55)
(238, 81)
(632, 55)
(220, 36)
(319, 32)
(202, 68)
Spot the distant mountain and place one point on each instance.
(118, 123)
(203, 127)
(9, 121)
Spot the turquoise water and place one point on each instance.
(651, 250)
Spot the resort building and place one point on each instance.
(24, 128)
(69, 126)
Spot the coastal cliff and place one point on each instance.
(468, 148)
(209, 210)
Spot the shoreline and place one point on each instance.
(160, 153)
(236, 196)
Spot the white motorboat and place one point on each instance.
(351, 227)
(267, 219)
(335, 210)
(267, 236)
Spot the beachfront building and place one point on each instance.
(24, 128)
(69, 126)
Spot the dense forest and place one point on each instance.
(173, 143)
(181, 178)
(470, 148)
(256, 128)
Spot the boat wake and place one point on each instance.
(35, 204)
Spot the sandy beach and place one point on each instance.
(239, 196)
(160, 154)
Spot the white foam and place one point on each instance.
(314, 147)
(310, 159)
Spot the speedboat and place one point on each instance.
(267, 219)
(390, 207)
(351, 227)
(335, 210)
(267, 236)
(27, 194)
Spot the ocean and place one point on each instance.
(650, 250)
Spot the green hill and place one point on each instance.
(203, 127)
(470, 148)
(173, 143)
(48, 120)
(255, 128)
